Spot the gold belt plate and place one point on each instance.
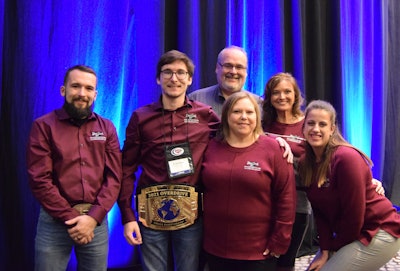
(168, 207)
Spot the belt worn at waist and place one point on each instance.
(167, 206)
(82, 208)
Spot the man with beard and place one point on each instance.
(75, 170)
(231, 71)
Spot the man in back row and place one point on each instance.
(231, 71)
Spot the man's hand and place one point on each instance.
(132, 233)
(288, 151)
(82, 230)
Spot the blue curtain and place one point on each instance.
(343, 51)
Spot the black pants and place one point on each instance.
(222, 264)
(299, 230)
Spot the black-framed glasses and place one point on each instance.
(229, 67)
(180, 74)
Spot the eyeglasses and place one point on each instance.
(180, 74)
(229, 67)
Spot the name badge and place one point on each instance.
(179, 160)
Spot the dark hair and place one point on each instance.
(82, 68)
(269, 112)
(172, 56)
(227, 109)
(336, 140)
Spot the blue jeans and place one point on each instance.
(53, 247)
(185, 247)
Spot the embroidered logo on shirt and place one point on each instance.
(98, 136)
(252, 166)
(191, 118)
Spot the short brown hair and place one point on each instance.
(80, 67)
(172, 56)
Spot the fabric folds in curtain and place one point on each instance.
(123, 42)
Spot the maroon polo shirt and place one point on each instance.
(149, 130)
(70, 164)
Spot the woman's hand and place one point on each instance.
(270, 253)
(319, 260)
(379, 188)
(288, 151)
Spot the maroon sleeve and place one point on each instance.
(284, 204)
(130, 162)
(40, 173)
(111, 184)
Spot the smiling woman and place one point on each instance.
(122, 43)
(358, 228)
(233, 186)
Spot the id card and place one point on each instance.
(179, 160)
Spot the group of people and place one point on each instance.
(203, 176)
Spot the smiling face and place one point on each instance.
(174, 87)
(283, 96)
(231, 70)
(80, 93)
(242, 119)
(317, 130)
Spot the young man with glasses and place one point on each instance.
(166, 139)
(231, 71)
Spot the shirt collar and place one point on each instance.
(158, 105)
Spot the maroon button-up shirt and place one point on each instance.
(70, 164)
(148, 131)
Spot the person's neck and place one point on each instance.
(241, 142)
(170, 103)
(226, 93)
(287, 117)
(318, 152)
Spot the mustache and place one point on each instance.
(231, 75)
(80, 99)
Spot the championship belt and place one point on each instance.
(168, 206)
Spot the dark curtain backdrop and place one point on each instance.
(343, 51)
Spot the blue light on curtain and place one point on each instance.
(59, 34)
(257, 26)
(123, 42)
(297, 39)
(355, 86)
(362, 74)
(189, 12)
(380, 87)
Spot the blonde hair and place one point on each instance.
(227, 109)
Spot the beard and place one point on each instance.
(75, 112)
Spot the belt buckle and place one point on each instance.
(83, 208)
(168, 206)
